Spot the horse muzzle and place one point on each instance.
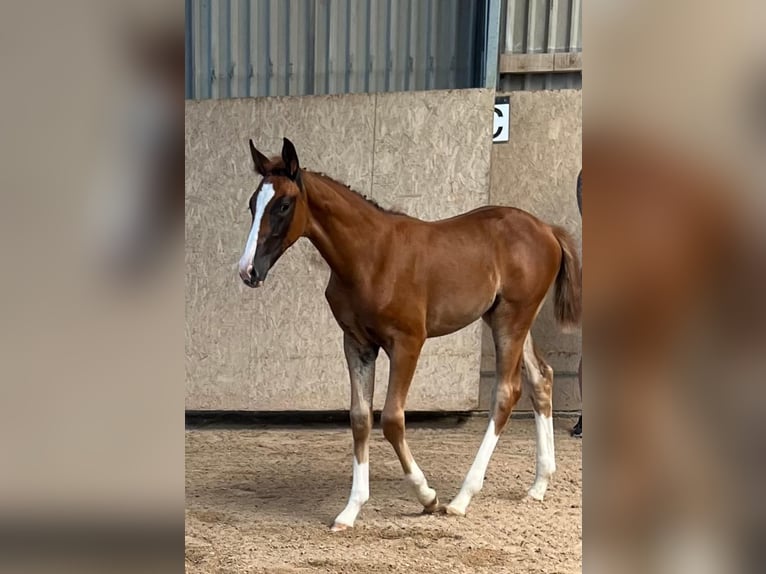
(253, 275)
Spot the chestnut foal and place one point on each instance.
(397, 280)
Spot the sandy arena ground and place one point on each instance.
(261, 500)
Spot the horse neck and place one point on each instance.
(342, 225)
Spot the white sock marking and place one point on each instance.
(474, 480)
(546, 459)
(263, 199)
(360, 492)
(419, 484)
(546, 462)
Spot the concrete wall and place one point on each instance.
(537, 171)
(278, 347)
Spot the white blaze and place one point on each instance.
(263, 199)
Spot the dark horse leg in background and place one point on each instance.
(577, 429)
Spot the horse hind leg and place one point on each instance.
(508, 347)
(539, 382)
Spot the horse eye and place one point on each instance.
(284, 207)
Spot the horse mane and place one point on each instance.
(369, 200)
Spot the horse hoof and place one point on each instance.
(339, 527)
(536, 494)
(452, 511)
(433, 507)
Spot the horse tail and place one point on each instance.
(568, 302)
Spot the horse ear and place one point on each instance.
(290, 158)
(259, 159)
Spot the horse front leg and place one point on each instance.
(361, 367)
(404, 358)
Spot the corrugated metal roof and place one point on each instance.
(242, 48)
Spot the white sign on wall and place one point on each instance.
(501, 131)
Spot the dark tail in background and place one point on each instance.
(568, 302)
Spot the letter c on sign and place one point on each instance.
(499, 129)
(501, 120)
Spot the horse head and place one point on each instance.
(279, 212)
